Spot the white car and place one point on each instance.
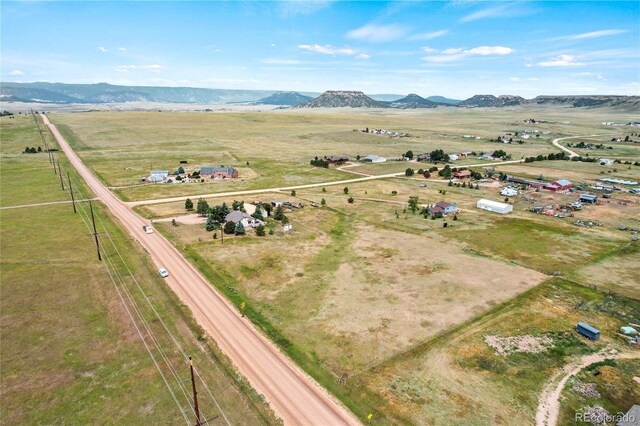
(163, 273)
(148, 229)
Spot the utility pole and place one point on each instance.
(195, 394)
(95, 233)
(61, 181)
(73, 200)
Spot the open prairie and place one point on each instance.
(273, 148)
(380, 304)
(70, 351)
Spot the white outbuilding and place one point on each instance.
(374, 159)
(494, 206)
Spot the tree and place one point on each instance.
(237, 205)
(324, 189)
(506, 199)
(40, 148)
(626, 138)
(323, 202)
(173, 222)
(350, 200)
(413, 204)
(408, 172)
(180, 170)
(284, 220)
(409, 155)
(202, 208)
(260, 231)
(278, 214)
(438, 155)
(258, 213)
(229, 227)
(267, 208)
(490, 172)
(211, 223)
(239, 229)
(426, 174)
(188, 204)
(293, 192)
(216, 212)
(346, 190)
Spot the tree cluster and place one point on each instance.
(319, 162)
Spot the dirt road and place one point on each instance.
(289, 188)
(556, 143)
(294, 396)
(549, 404)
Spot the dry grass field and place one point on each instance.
(386, 308)
(121, 147)
(70, 353)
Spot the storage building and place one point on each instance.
(588, 198)
(588, 331)
(374, 159)
(494, 206)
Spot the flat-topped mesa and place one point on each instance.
(342, 99)
(492, 101)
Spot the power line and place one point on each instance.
(139, 313)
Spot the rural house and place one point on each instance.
(462, 174)
(337, 159)
(221, 172)
(246, 219)
(444, 208)
(423, 157)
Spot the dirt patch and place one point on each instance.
(586, 389)
(595, 414)
(396, 289)
(524, 344)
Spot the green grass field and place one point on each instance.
(70, 354)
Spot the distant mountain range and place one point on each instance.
(60, 93)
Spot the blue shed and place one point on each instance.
(588, 331)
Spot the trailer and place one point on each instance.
(588, 331)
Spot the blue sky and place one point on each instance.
(450, 48)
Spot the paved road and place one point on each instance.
(294, 396)
(289, 188)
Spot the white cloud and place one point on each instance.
(514, 78)
(428, 50)
(490, 50)
(594, 34)
(102, 49)
(429, 36)
(16, 73)
(560, 61)
(377, 33)
(122, 49)
(452, 51)
(155, 68)
(326, 49)
(456, 54)
(363, 56)
(504, 10)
